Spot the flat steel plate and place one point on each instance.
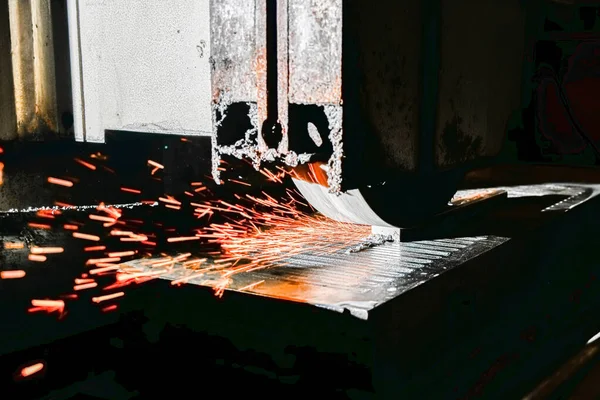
(361, 281)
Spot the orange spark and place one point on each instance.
(37, 258)
(94, 261)
(182, 239)
(155, 164)
(15, 274)
(112, 307)
(79, 281)
(97, 271)
(116, 232)
(48, 305)
(46, 250)
(85, 236)
(70, 227)
(60, 182)
(13, 245)
(239, 182)
(85, 164)
(94, 248)
(113, 212)
(122, 253)
(47, 213)
(38, 226)
(99, 156)
(84, 286)
(134, 238)
(129, 190)
(107, 297)
(101, 218)
(32, 369)
(169, 200)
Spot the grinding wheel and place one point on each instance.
(398, 203)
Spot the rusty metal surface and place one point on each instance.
(234, 50)
(315, 51)
(388, 39)
(482, 54)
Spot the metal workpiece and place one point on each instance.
(352, 281)
(364, 276)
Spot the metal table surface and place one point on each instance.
(361, 281)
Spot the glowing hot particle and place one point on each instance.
(38, 226)
(60, 182)
(182, 239)
(110, 308)
(32, 369)
(122, 253)
(107, 297)
(84, 286)
(46, 250)
(95, 248)
(155, 164)
(129, 190)
(85, 236)
(15, 274)
(94, 261)
(101, 218)
(14, 245)
(97, 271)
(85, 164)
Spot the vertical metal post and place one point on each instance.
(33, 66)
(8, 122)
(282, 73)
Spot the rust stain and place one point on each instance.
(457, 145)
(260, 67)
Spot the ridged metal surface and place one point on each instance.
(357, 282)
